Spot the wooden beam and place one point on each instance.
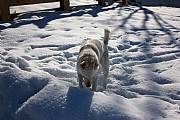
(4, 8)
(28, 2)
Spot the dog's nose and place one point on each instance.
(88, 84)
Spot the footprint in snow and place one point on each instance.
(20, 62)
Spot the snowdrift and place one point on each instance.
(38, 52)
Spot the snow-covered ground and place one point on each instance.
(172, 3)
(38, 52)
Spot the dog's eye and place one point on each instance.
(95, 65)
(83, 65)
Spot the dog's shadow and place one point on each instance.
(78, 103)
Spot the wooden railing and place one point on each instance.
(27, 2)
(5, 5)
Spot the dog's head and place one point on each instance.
(89, 63)
(88, 66)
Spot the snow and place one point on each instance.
(172, 3)
(38, 52)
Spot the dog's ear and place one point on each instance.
(83, 64)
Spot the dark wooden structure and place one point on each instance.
(5, 5)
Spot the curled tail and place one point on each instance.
(106, 36)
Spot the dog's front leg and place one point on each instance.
(80, 79)
(94, 83)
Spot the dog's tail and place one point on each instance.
(106, 36)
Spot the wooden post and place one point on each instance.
(125, 2)
(64, 5)
(101, 2)
(4, 8)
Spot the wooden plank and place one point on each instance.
(5, 4)
(4, 8)
(28, 2)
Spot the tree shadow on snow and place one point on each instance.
(164, 26)
(154, 58)
(146, 47)
(78, 104)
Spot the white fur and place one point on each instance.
(91, 54)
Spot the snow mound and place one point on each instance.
(38, 55)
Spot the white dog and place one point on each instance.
(91, 55)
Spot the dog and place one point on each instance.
(92, 54)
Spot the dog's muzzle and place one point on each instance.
(88, 83)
